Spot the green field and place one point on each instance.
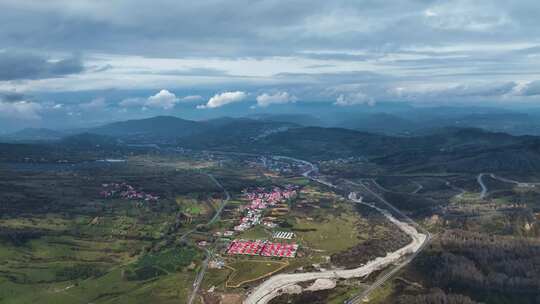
(245, 271)
(331, 234)
(255, 233)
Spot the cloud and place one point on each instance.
(531, 89)
(465, 16)
(102, 68)
(352, 99)
(203, 72)
(222, 99)
(191, 98)
(94, 105)
(132, 102)
(433, 49)
(11, 96)
(335, 77)
(485, 89)
(164, 99)
(25, 110)
(17, 66)
(265, 99)
(459, 92)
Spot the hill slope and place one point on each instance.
(159, 127)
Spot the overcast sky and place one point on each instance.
(162, 56)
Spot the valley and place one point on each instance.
(269, 152)
(233, 224)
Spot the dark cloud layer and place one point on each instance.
(17, 65)
(258, 28)
(343, 52)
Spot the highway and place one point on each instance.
(361, 297)
(271, 287)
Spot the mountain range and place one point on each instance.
(448, 149)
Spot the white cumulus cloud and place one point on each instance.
(20, 110)
(164, 99)
(531, 89)
(222, 99)
(265, 99)
(351, 99)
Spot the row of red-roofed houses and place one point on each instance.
(262, 248)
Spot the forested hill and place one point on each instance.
(443, 150)
(449, 149)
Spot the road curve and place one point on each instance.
(273, 287)
(418, 189)
(484, 191)
(511, 181)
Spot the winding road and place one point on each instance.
(480, 181)
(461, 190)
(511, 181)
(484, 191)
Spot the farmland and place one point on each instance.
(68, 242)
(213, 227)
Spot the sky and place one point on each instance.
(69, 63)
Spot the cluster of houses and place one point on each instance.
(260, 199)
(262, 248)
(125, 191)
(276, 165)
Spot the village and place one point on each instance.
(262, 202)
(263, 208)
(126, 191)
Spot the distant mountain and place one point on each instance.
(35, 134)
(221, 121)
(496, 120)
(449, 150)
(235, 134)
(437, 149)
(446, 149)
(464, 150)
(150, 129)
(380, 123)
(428, 120)
(299, 119)
(169, 129)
